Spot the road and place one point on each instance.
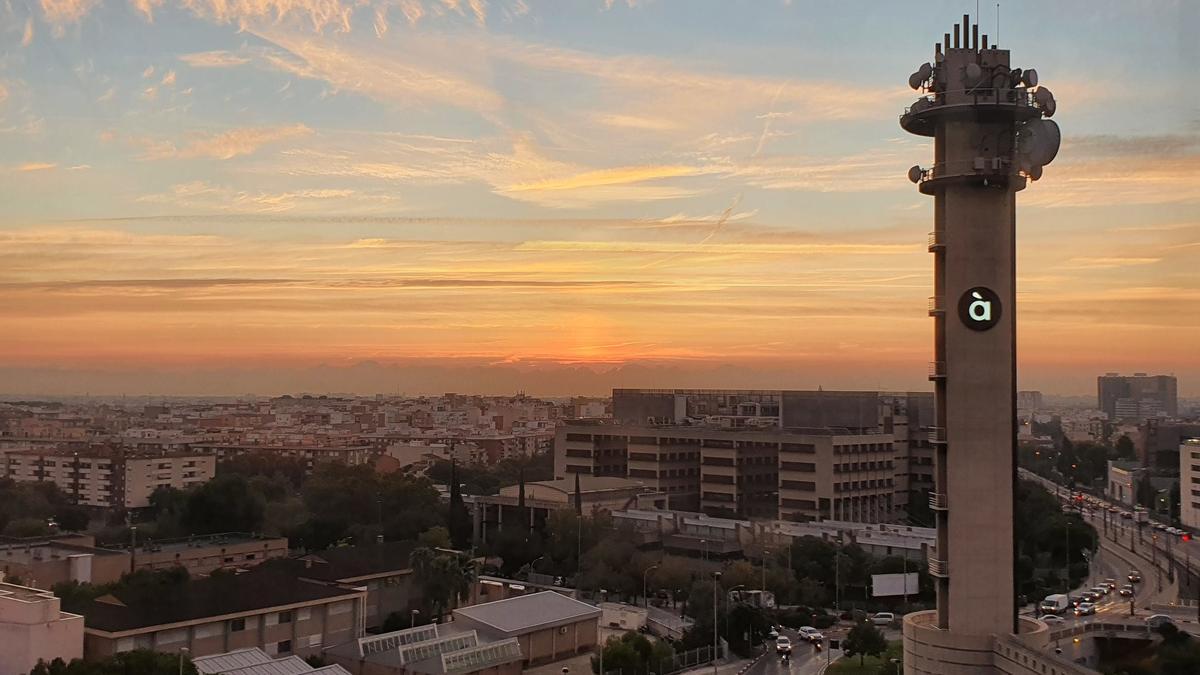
(1164, 560)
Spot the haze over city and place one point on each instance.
(558, 197)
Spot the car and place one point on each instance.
(1113, 509)
(1051, 619)
(1100, 590)
(1126, 591)
(883, 618)
(810, 634)
(1111, 583)
(783, 645)
(1134, 576)
(1159, 526)
(772, 632)
(1126, 515)
(1158, 621)
(1087, 597)
(1085, 609)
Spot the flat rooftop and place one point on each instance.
(524, 613)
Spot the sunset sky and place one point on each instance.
(224, 196)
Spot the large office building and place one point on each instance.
(1138, 396)
(108, 477)
(797, 455)
(1189, 483)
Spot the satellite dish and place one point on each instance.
(1045, 100)
(914, 174)
(974, 72)
(1035, 172)
(1038, 143)
(916, 79)
(1030, 78)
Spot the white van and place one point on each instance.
(1055, 604)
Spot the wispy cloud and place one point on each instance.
(225, 145)
(36, 166)
(59, 13)
(219, 58)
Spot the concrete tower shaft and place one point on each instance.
(989, 136)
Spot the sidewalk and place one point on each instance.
(729, 668)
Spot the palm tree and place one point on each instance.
(443, 577)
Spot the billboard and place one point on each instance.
(885, 585)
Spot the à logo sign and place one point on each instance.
(979, 308)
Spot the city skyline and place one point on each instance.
(266, 196)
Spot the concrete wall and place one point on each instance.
(34, 628)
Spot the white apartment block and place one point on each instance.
(110, 478)
(1189, 483)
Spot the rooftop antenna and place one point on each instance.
(997, 24)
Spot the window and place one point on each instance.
(285, 617)
(237, 625)
(284, 647)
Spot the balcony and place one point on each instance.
(937, 370)
(937, 305)
(937, 241)
(937, 435)
(939, 568)
(937, 501)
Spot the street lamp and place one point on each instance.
(413, 618)
(716, 582)
(600, 629)
(182, 651)
(646, 600)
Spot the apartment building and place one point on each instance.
(1189, 483)
(108, 477)
(351, 455)
(272, 610)
(33, 627)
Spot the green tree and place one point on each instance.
(458, 520)
(435, 537)
(223, 504)
(864, 639)
(633, 653)
(1146, 492)
(136, 662)
(442, 577)
(1124, 448)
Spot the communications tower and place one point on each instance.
(991, 135)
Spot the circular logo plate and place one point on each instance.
(979, 308)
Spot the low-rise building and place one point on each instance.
(33, 627)
(271, 610)
(108, 477)
(254, 661)
(382, 568)
(597, 494)
(548, 626)
(1123, 477)
(430, 650)
(204, 554)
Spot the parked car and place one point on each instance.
(783, 645)
(810, 634)
(1126, 591)
(1158, 621)
(883, 618)
(1085, 609)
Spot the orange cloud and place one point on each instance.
(225, 145)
